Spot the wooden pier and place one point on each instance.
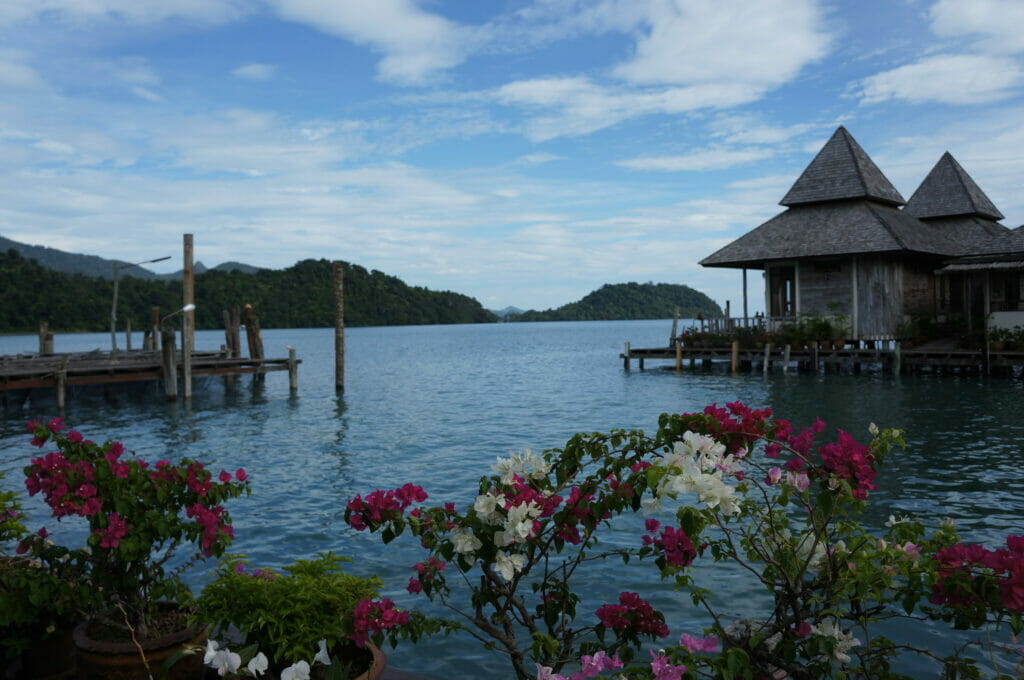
(58, 371)
(819, 358)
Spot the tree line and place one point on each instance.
(630, 301)
(300, 296)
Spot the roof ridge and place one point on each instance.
(847, 137)
(885, 225)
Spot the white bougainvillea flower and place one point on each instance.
(297, 671)
(844, 641)
(525, 464)
(322, 656)
(258, 664)
(465, 542)
(225, 661)
(211, 651)
(490, 508)
(508, 565)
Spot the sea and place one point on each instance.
(436, 405)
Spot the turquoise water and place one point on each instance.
(435, 405)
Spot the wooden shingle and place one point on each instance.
(949, 191)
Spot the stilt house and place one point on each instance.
(844, 247)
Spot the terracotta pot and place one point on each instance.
(377, 666)
(102, 660)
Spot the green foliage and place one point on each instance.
(284, 614)
(301, 296)
(630, 301)
(11, 516)
(41, 596)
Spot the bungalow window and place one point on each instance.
(782, 287)
(1006, 291)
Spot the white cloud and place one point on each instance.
(415, 44)
(746, 129)
(949, 79)
(998, 23)
(146, 94)
(18, 76)
(131, 11)
(255, 71)
(715, 158)
(763, 43)
(578, 106)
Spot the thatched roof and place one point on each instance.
(839, 228)
(840, 171)
(949, 191)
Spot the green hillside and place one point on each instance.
(630, 301)
(297, 297)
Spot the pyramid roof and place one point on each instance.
(948, 191)
(842, 170)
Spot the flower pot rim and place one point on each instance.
(86, 643)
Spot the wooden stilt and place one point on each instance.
(293, 371)
(339, 327)
(188, 318)
(154, 328)
(679, 356)
(785, 360)
(170, 364)
(766, 365)
(62, 381)
(128, 334)
(735, 364)
(625, 357)
(814, 354)
(897, 360)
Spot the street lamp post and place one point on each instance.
(113, 305)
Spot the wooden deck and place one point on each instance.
(31, 371)
(935, 356)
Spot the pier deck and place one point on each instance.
(29, 371)
(890, 359)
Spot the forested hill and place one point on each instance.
(630, 301)
(300, 296)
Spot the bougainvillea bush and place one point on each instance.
(779, 504)
(139, 517)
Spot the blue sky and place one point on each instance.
(522, 152)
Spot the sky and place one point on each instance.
(523, 152)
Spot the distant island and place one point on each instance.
(630, 301)
(300, 296)
(73, 293)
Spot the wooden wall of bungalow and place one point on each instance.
(876, 293)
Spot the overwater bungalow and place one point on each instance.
(848, 245)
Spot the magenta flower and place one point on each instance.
(696, 644)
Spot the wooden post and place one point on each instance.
(252, 334)
(236, 340)
(625, 357)
(154, 328)
(735, 356)
(728, 316)
(128, 334)
(170, 364)
(62, 381)
(640, 361)
(188, 318)
(767, 358)
(45, 338)
(675, 323)
(745, 314)
(785, 361)
(814, 353)
(293, 371)
(897, 359)
(339, 326)
(229, 350)
(679, 356)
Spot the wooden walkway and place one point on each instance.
(30, 371)
(937, 356)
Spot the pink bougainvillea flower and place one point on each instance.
(699, 644)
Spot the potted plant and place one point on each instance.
(147, 524)
(301, 617)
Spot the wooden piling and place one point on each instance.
(625, 357)
(675, 323)
(679, 356)
(45, 338)
(735, 363)
(188, 318)
(293, 371)
(170, 364)
(897, 359)
(814, 353)
(339, 326)
(228, 348)
(62, 382)
(128, 334)
(785, 360)
(767, 358)
(154, 328)
(236, 340)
